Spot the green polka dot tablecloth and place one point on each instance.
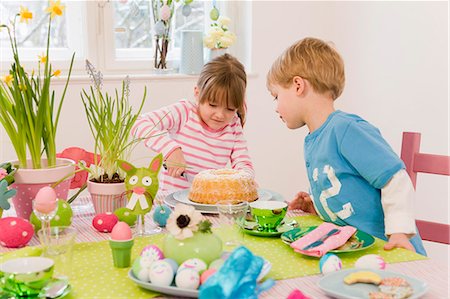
(94, 275)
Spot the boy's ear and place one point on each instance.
(299, 84)
(156, 163)
(125, 166)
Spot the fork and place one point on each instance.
(322, 239)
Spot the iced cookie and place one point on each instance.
(379, 295)
(363, 277)
(397, 287)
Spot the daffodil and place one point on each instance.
(55, 8)
(25, 14)
(8, 79)
(42, 58)
(56, 73)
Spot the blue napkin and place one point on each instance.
(236, 278)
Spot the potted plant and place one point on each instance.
(110, 120)
(219, 37)
(30, 114)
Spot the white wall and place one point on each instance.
(396, 57)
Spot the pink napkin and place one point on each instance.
(331, 243)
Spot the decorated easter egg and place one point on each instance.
(214, 14)
(105, 222)
(195, 264)
(140, 269)
(45, 201)
(187, 279)
(15, 232)
(372, 261)
(121, 232)
(152, 253)
(126, 215)
(161, 273)
(63, 216)
(161, 214)
(173, 264)
(159, 28)
(206, 274)
(330, 263)
(186, 10)
(165, 12)
(216, 264)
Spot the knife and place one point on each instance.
(322, 239)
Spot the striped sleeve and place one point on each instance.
(240, 158)
(154, 127)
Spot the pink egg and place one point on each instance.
(15, 232)
(121, 232)
(105, 222)
(206, 274)
(45, 201)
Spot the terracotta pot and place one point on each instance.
(28, 181)
(107, 197)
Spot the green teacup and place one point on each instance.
(26, 276)
(268, 214)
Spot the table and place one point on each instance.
(434, 273)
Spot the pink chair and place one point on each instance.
(416, 162)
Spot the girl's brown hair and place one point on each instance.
(223, 81)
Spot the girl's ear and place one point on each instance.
(125, 166)
(299, 84)
(196, 93)
(156, 163)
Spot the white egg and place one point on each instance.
(371, 261)
(330, 263)
(161, 273)
(141, 270)
(187, 279)
(195, 264)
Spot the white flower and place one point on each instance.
(227, 39)
(224, 21)
(183, 221)
(209, 42)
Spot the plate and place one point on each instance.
(182, 196)
(251, 228)
(333, 284)
(359, 241)
(212, 209)
(176, 291)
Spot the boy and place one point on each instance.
(355, 177)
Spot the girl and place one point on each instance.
(207, 134)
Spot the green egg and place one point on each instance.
(214, 14)
(126, 216)
(186, 2)
(63, 216)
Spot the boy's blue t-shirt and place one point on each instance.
(348, 163)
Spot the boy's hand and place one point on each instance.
(399, 240)
(302, 201)
(175, 162)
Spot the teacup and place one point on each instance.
(26, 276)
(268, 214)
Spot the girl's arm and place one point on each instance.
(154, 127)
(240, 158)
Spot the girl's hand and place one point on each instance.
(399, 240)
(302, 201)
(175, 162)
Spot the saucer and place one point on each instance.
(251, 228)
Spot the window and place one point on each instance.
(114, 35)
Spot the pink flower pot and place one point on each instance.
(28, 182)
(107, 197)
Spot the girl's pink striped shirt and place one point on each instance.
(179, 126)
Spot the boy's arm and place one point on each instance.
(240, 158)
(153, 127)
(397, 198)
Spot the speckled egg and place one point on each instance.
(161, 214)
(105, 222)
(187, 279)
(161, 273)
(63, 216)
(152, 253)
(330, 263)
(15, 232)
(125, 215)
(372, 261)
(206, 274)
(141, 269)
(195, 264)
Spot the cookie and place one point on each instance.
(363, 277)
(379, 295)
(397, 287)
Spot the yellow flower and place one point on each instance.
(42, 58)
(8, 79)
(25, 14)
(55, 8)
(57, 73)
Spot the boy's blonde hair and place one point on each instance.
(223, 81)
(313, 60)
